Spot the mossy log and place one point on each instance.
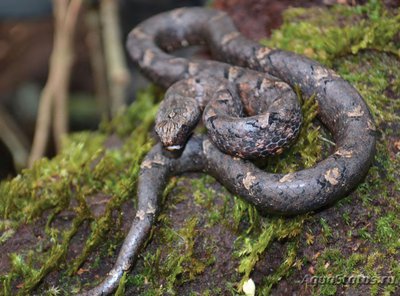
(63, 221)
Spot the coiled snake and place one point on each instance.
(262, 84)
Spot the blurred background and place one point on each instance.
(27, 37)
(46, 93)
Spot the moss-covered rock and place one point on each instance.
(62, 221)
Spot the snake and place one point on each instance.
(260, 78)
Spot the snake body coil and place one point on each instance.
(341, 109)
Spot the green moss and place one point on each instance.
(253, 245)
(282, 271)
(203, 195)
(121, 287)
(308, 147)
(375, 77)
(333, 262)
(326, 229)
(359, 43)
(387, 229)
(176, 262)
(327, 35)
(82, 169)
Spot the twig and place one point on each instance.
(42, 123)
(55, 91)
(327, 140)
(118, 74)
(14, 139)
(96, 54)
(66, 32)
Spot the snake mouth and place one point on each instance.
(174, 147)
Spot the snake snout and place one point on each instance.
(173, 135)
(176, 118)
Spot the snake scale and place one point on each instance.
(272, 74)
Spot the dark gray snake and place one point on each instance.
(341, 109)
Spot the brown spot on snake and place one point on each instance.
(332, 176)
(229, 37)
(248, 181)
(357, 112)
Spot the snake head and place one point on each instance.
(174, 123)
